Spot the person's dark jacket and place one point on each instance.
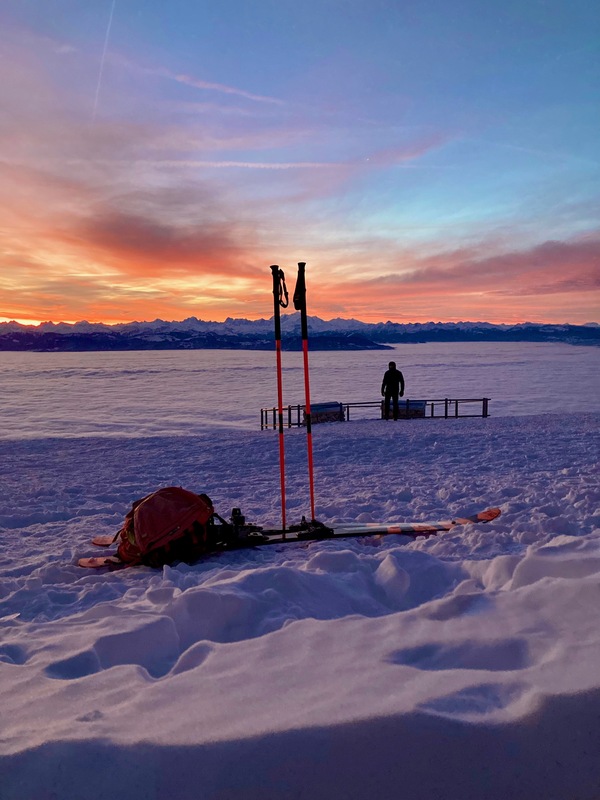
(393, 383)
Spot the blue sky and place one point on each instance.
(428, 160)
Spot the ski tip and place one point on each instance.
(483, 516)
(97, 562)
(489, 515)
(103, 541)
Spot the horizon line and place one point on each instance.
(29, 323)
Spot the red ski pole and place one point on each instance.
(280, 299)
(300, 305)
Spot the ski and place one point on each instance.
(225, 536)
(318, 532)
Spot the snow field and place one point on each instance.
(462, 665)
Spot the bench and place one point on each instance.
(407, 409)
(326, 412)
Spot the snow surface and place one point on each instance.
(454, 667)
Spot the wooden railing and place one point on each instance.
(447, 408)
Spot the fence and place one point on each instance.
(446, 408)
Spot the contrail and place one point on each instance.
(102, 60)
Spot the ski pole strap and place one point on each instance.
(300, 299)
(283, 297)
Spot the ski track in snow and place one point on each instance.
(470, 658)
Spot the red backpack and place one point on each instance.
(165, 526)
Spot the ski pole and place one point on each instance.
(300, 305)
(280, 299)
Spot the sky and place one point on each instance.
(427, 160)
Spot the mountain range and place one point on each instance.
(335, 334)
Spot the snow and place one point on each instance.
(458, 666)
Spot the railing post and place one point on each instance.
(446, 408)
(485, 407)
(456, 408)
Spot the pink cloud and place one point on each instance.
(551, 264)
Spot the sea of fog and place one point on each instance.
(126, 393)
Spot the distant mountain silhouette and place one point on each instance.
(243, 334)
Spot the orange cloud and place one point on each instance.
(144, 246)
(217, 291)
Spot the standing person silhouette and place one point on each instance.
(391, 387)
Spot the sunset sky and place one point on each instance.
(428, 159)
